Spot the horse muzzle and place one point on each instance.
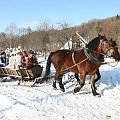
(111, 52)
(116, 56)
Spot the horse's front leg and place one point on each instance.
(98, 78)
(81, 83)
(93, 80)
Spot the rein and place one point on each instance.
(76, 64)
(64, 70)
(73, 59)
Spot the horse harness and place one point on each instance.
(99, 51)
(89, 57)
(77, 64)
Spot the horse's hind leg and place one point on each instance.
(61, 84)
(54, 81)
(54, 84)
(77, 77)
(58, 77)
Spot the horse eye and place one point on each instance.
(106, 42)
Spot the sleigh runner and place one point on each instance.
(27, 77)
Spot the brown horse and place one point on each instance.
(85, 62)
(116, 56)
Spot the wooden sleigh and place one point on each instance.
(27, 77)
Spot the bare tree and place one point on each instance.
(23, 32)
(11, 31)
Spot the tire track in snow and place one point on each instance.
(47, 103)
(2, 115)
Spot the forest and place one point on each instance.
(47, 38)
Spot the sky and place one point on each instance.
(31, 13)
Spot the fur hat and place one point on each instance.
(3, 53)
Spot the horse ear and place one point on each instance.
(111, 40)
(99, 35)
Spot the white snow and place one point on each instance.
(44, 103)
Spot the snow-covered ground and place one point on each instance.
(44, 103)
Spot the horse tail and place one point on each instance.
(48, 65)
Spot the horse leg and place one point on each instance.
(54, 84)
(98, 77)
(54, 81)
(58, 78)
(81, 83)
(77, 77)
(61, 84)
(93, 85)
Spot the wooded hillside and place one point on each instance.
(47, 38)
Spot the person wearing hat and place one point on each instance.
(18, 59)
(12, 60)
(24, 57)
(15, 61)
(31, 60)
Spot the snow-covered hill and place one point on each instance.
(44, 103)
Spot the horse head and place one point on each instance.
(101, 46)
(108, 47)
(116, 54)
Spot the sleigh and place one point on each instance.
(26, 77)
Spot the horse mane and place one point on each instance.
(114, 44)
(93, 44)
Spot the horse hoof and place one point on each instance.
(77, 89)
(97, 95)
(63, 90)
(95, 88)
(54, 88)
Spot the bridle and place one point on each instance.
(100, 51)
